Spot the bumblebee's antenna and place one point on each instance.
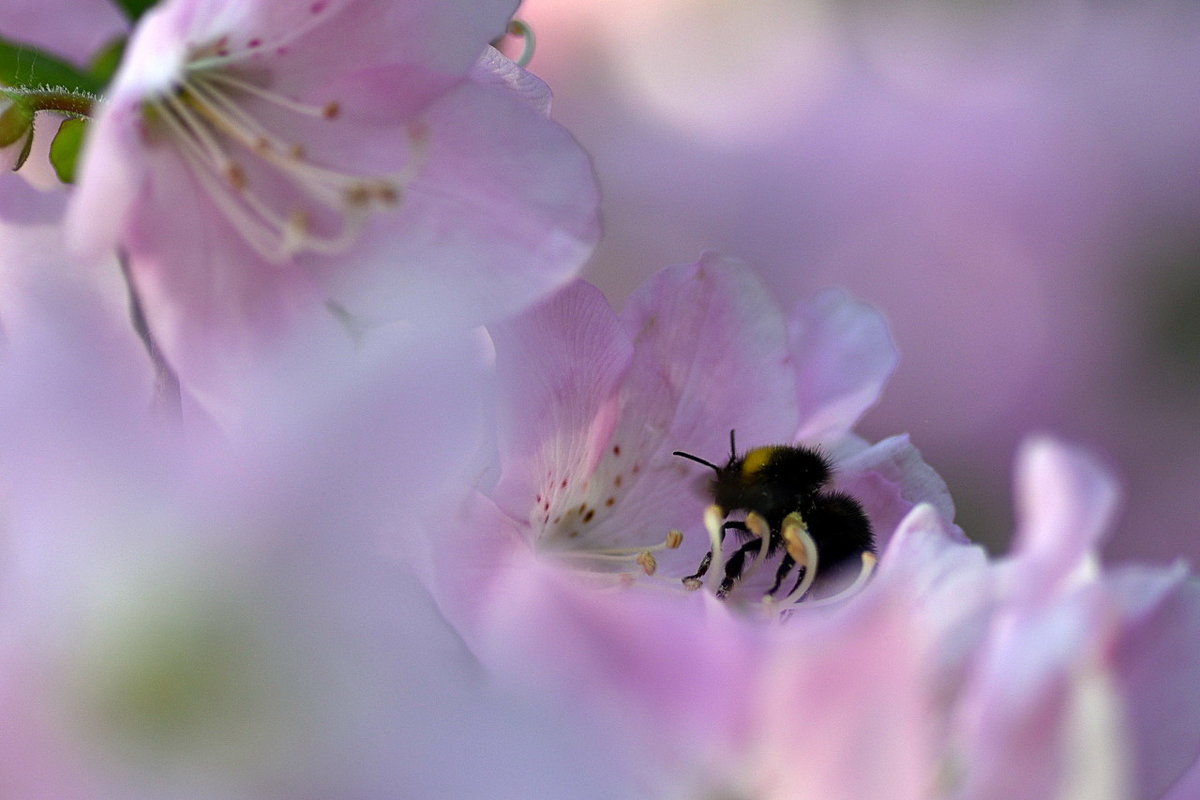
(697, 459)
(732, 445)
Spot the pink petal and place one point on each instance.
(722, 345)
(560, 367)
(843, 355)
(1042, 692)
(1156, 658)
(214, 306)
(436, 42)
(625, 651)
(495, 69)
(503, 213)
(845, 714)
(111, 178)
(951, 586)
(74, 29)
(1065, 501)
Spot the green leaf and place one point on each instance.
(64, 150)
(105, 61)
(23, 65)
(134, 8)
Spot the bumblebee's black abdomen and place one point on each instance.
(840, 529)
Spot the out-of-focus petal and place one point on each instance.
(1043, 698)
(1065, 503)
(950, 585)
(843, 355)
(849, 700)
(1156, 660)
(74, 29)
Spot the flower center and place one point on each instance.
(264, 184)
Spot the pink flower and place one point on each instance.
(218, 621)
(1087, 678)
(256, 161)
(593, 404)
(949, 675)
(1039, 675)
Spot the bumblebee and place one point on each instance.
(782, 491)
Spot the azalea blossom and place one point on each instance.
(214, 619)
(256, 161)
(1039, 675)
(571, 565)
(948, 675)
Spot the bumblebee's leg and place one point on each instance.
(785, 566)
(693, 581)
(734, 566)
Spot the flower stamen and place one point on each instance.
(329, 110)
(757, 525)
(803, 550)
(714, 523)
(326, 208)
(868, 567)
(642, 556)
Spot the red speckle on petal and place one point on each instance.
(610, 501)
(616, 449)
(618, 480)
(564, 483)
(319, 6)
(254, 43)
(637, 468)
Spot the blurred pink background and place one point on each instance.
(1016, 185)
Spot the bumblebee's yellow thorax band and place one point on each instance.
(756, 459)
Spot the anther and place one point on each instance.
(796, 537)
(388, 195)
(757, 525)
(236, 176)
(646, 561)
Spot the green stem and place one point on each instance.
(63, 101)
